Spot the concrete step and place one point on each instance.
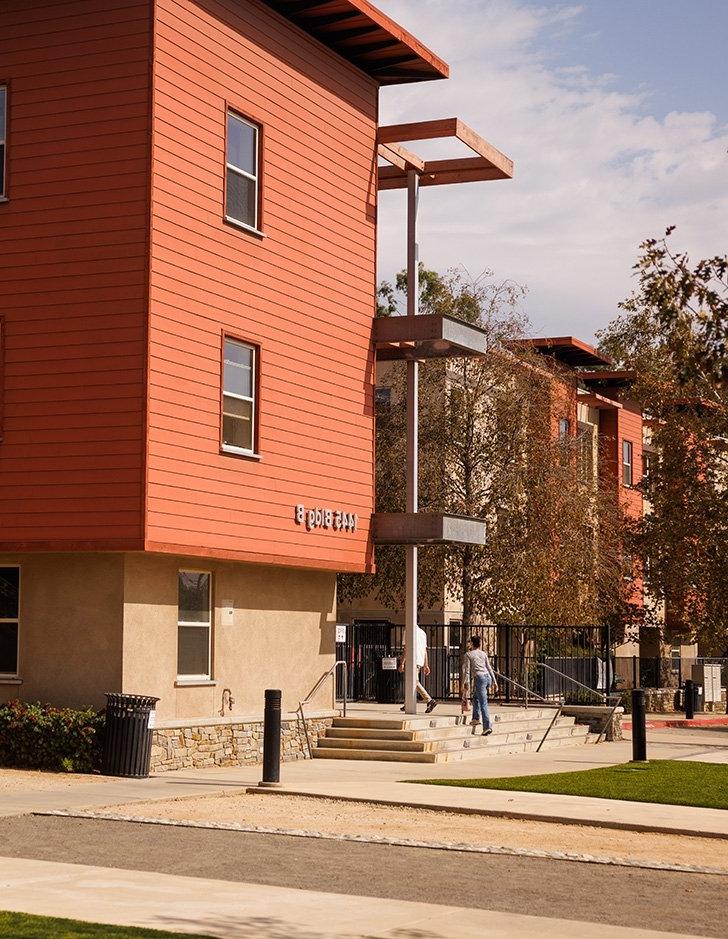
(424, 722)
(465, 740)
(511, 728)
(446, 756)
(432, 738)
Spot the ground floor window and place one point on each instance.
(9, 606)
(194, 625)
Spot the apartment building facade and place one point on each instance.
(188, 209)
(590, 406)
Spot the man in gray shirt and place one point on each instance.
(478, 672)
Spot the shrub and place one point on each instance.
(39, 736)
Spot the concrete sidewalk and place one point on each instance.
(255, 911)
(387, 782)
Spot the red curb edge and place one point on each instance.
(681, 722)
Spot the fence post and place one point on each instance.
(272, 739)
(608, 658)
(635, 683)
(507, 671)
(639, 727)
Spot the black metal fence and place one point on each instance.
(635, 671)
(554, 662)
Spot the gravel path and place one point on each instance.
(354, 818)
(28, 780)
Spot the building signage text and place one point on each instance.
(334, 519)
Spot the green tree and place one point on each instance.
(671, 334)
(487, 450)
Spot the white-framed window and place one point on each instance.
(564, 428)
(3, 136)
(242, 172)
(194, 625)
(9, 620)
(239, 364)
(627, 474)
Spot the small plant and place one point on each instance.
(582, 697)
(39, 736)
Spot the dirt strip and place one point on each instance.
(363, 819)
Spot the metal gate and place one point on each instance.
(552, 661)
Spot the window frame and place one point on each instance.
(4, 189)
(9, 676)
(564, 428)
(627, 463)
(181, 624)
(586, 464)
(255, 385)
(256, 229)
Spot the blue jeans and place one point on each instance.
(480, 700)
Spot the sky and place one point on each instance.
(615, 113)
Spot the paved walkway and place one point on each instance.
(386, 782)
(240, 910)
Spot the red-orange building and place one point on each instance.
(188, 213)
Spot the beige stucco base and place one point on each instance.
(92, 623)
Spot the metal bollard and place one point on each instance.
(272, 739)
(689, 695)
(639, 729)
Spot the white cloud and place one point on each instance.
(595, 172)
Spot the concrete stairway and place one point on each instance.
(431, 739)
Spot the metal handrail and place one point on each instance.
(533, 694)
(527, 690)
(599, 694)
(309, 697)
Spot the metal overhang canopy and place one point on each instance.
(427, 336)
(419, 528)
(487, 164)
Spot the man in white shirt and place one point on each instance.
(422, 662)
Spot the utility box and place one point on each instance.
(707, 678)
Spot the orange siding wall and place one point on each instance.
(614, 428)
(304, 293)
(73, 272)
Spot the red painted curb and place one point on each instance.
(681, 722)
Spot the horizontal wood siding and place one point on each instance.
(304, 293)
(73, 272)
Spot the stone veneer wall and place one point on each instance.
(226, 743)
(595, 717)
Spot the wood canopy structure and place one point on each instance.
(487, 164)
(368, 38)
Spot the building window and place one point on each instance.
(585, 453)
(194, 625)
(627, 462)
(564, 427)
(238, 396)
(649, 461)
(9, 607)
(242, 172)
(382, 397)
(3, 135)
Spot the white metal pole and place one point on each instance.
(413, 299)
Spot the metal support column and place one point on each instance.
(413, 300)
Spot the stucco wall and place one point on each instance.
(92, 623)
(70, 627)
(282, 635)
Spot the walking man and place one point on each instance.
(422, 663)
(477, 670)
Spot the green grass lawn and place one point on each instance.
(22, 926)
(669, 782)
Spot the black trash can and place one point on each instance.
(128, 737)
(389, 685)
